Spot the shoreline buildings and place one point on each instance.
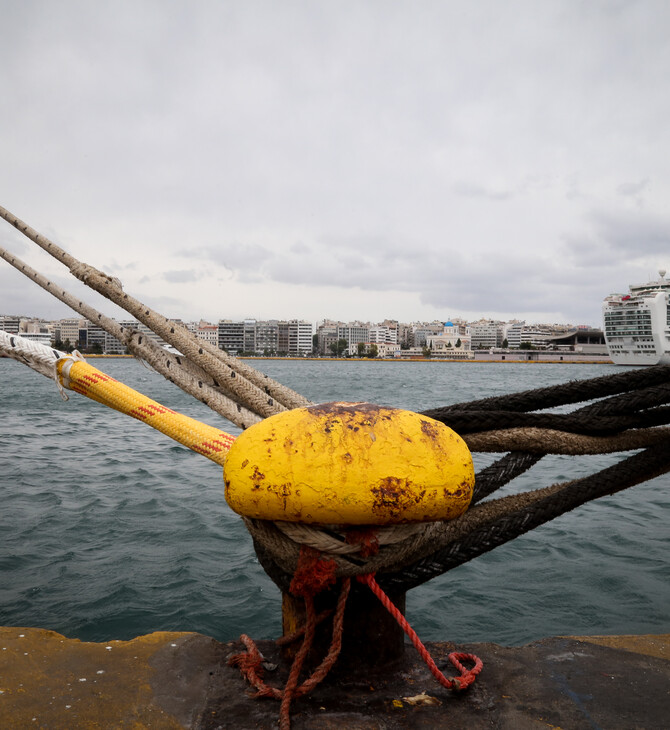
(452, 339)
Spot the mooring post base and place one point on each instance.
(371, 637)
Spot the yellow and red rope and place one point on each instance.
(79, 376)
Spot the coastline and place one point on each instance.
(533, 359)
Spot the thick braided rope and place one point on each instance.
(199, 437)
(179, 370)
(259, 392)
(547, 441)
(558, 395)
(445, 545)
(470, 540)
(501, 472)
(467, 422)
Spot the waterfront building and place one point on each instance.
(207, 332)
(295, 338)
(353, 333)
(267, 337)
(10, 323)
(454, 339)
(486, 334)
(41, 338)
(422, 331)
(387, 349)
(512, 333)
(582, 339)
(326, 335)
(249, 335)
(231, 336)
(383, 334)
(68, 330)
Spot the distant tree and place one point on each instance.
(459, 343)
(361, 349)
(373, 351)
(96, 349)
(337, 348)
(505, 343)
(427, 352)
(315, 343)
(526, 346)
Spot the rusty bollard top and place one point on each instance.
(349, 464)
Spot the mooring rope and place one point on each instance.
(177, 369)
(635, 397)
(536, 441)
(445, 545)
(73, 373)
(253, 389)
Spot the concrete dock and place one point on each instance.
(182, 680)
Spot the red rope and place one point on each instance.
(312, 575)
(467, 676)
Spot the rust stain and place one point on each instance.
(393, 496)
(431, 430)
(337, 408)
(258, 475)
(244, 463)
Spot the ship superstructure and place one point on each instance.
(637, 324)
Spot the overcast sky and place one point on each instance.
(411, 159)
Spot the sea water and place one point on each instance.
(108, 529)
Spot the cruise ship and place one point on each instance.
(637, 324)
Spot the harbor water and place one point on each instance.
(108, 529)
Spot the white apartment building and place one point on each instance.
(383, 334)
(300, 335)
(267, 336)
(10, 324)
(536, 335)
(486, 334)
(512, 333)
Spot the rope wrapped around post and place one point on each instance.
(634, 398)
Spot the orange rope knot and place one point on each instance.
(313, 574)
(367, 539)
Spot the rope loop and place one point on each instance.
(467, 676)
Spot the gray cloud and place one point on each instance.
(471, 155)
(182, 277)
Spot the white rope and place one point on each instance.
(41, 358)
(333, 541)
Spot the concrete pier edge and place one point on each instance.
(182, 680)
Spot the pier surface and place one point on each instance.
(182, 680)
